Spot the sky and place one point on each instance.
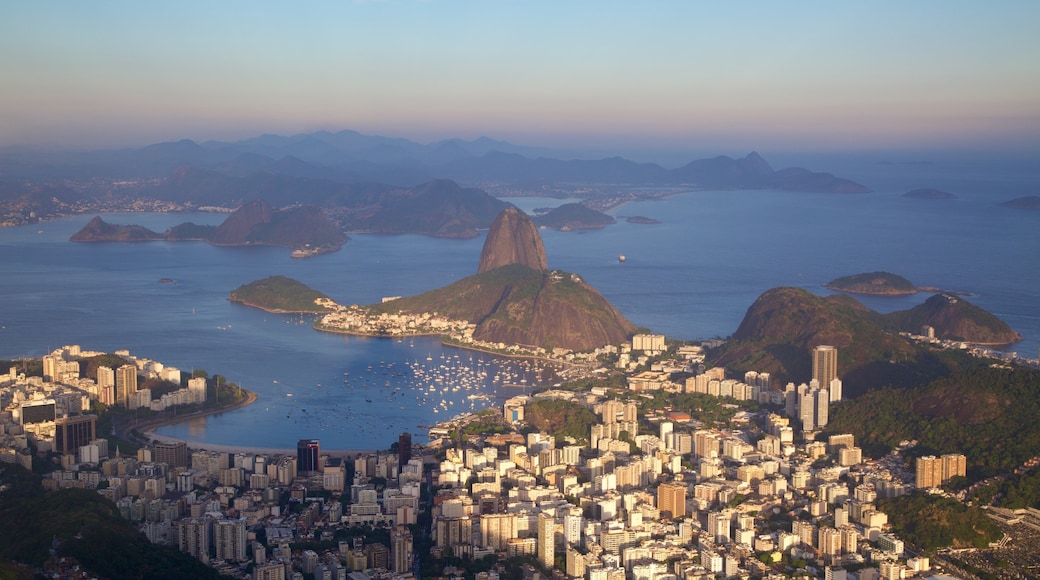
(798, 75)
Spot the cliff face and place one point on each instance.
(512, 239)
(237, 227)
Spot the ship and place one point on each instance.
(621, 258)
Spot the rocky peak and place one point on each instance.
(513, 239)
(237, 227)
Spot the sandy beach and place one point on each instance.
(196, 445)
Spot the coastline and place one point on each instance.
(446, 342)
(199, 445)
(146, 430)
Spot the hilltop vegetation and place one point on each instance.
(517, 305)
(954, 318)
(561, 418)
(279, 294)
(81, 524)
(783, 325)
(988, 414)
(932, 522)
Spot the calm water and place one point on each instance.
(692, 276)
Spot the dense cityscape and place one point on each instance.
(747, 484)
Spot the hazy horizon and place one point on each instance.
(580, 75)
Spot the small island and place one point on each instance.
(573, 216)
(1027, 202)
(638, 219)
(875, 283)
(282, 295)
(929, 193)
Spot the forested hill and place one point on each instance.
(988, 414)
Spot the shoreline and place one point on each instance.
(145, 431)
(448, 343)
(148, 426)
(223, 448)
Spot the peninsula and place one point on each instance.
(281, 295)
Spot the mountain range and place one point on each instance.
(351, 157)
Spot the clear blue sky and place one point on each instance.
(723, 75)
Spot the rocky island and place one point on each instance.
(875, 283)
(305, 229)
(1027, 202)
(638, 219)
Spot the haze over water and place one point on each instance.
(692, 276)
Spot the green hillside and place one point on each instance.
(518, 305)
(279, 294)
(988, 414)
(80, 524)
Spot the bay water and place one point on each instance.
(692, 276)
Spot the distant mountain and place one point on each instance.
(440, 208)
(515, 300)
(573, 216)
(1027, 202)
(784, 324)
(351, 157)
(21, 204)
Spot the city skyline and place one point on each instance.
(684, 76)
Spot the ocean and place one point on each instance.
(692, 276)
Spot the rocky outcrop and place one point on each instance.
(512, 239)
(239, 225)
(516, 299)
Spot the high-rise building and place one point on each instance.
(928, 472)
(106, 382)
(824, 365)
(126, 384)
(404, 448)
(73, 432)
(497, 529)
(546, 539)
(230, 539)
(401, 550)
(308, 452)
(172, 454)
(193, 537)
(953, 465)
(671, 499)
